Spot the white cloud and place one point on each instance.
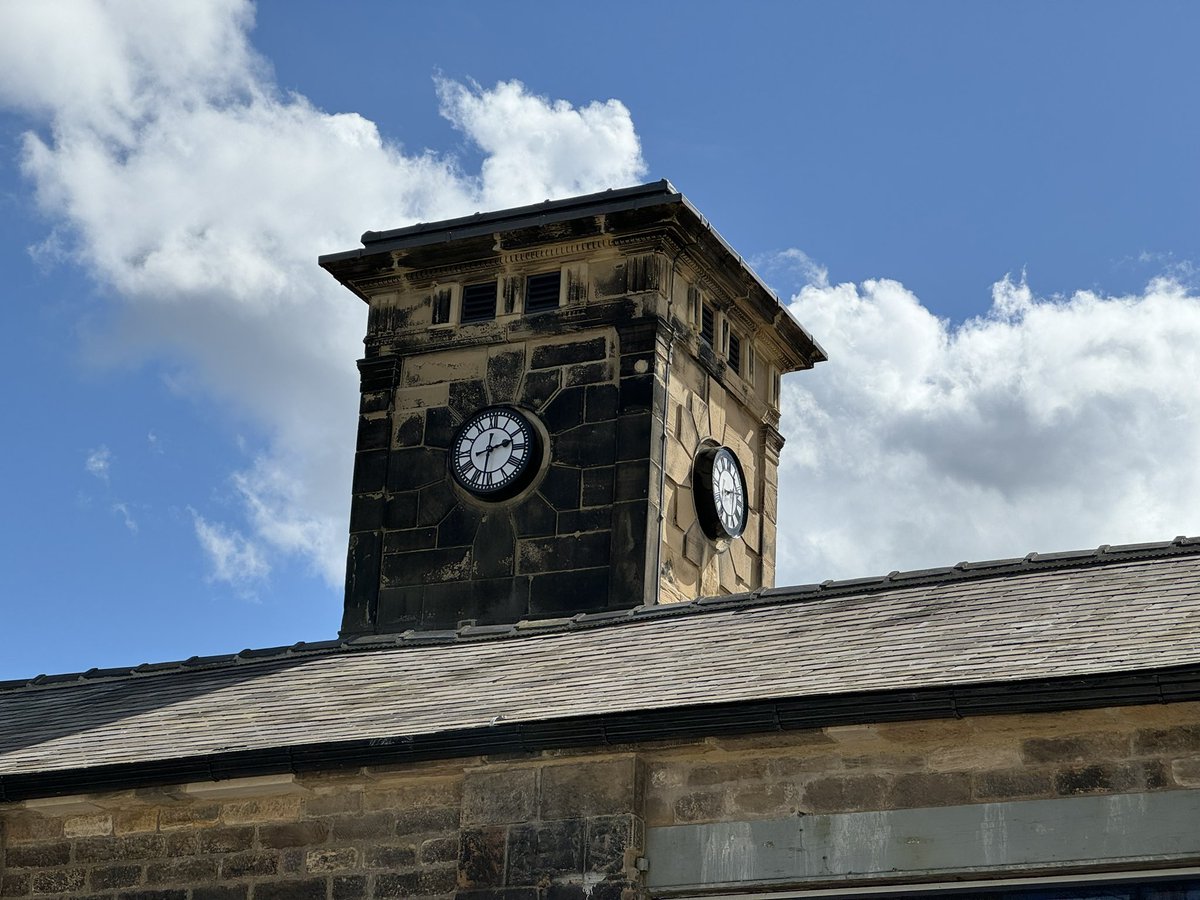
(122, 510)
(99, 462)
(236, 560)
(171, 167)
(1049, 424)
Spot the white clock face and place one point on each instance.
(729, 492)
(493, 451)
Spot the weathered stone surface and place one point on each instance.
(921, 789)
(104, 878)
(248, 865)
(1075, 748)
(58, 881)
(293, 834)
(562, 354)
(494, 798)
(544, 850)
(481, 858)
(581, 790)
(848, 794)
(331, 860)
(188, 870)
(415, 884)
(299, 889)
(37, 856)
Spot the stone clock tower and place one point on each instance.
(566, 408)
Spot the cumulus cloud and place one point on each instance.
(236, 560)
(99, 462)
(1048, 424)
(173, 169)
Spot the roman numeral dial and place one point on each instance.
(495, 453)
(719, 489)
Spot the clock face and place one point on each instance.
(720, 491)
(495, 452)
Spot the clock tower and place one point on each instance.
(566, 408)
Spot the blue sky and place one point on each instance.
(988, 213)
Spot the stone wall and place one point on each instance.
(561, 825)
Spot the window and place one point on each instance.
(708, 324)
(479, 302)
(735, 352)
(541, 291)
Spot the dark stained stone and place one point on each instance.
(567, 593)
(494, 546)
(551, 355)
(564, 411)
(292, 834)
(399, 608)
(468, 397)
(362, 579)
(633, 436)
(300, 889)
(600, 402)
(364, 827)
(504, 375)
(421, 883)
(415, 467)
(400, 510)
(573, 520)
(373, 434)
(534, 516)
(370, 471)
(141, 846)
(633, 480)
(349, 887)
(108, 877)
(226, 840)
(439, 427)
(544, 850)
(434, 503)
(391, 857)
(38, 856)
(608, 837)
(560, 487)
(566, 891)
(411, 430)
(249, 865)
(539, 387)
(458, 528)
(221, 892)
(409, 539)
(587, 445)
(597, 486)
(485, 601)
(374, 401)
(637, 393)
(420, 820)
(366, 512)
(188, 869)
(588, 373)
(919, 789)
(426, 566)
(554, 554)
(481, 857)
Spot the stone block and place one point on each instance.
(416, 884)
(423, 821)
(103, 878)
(439, 850)
(221, 892)
(1182, 739)
(588, 789)
(249, 865)
(560, 487)
(421, 397)
(588, 445)
(539, 851)
(411, 468)
(601, 403)
(558, 594)
(139, 846)
(481, 858)
(188, 870)
(331, 860)
(294, 834)
(610, 842)
(15, 884)
(362, 827)
(539, 388)
(298, 889)
(23, 827)
(565, 410)
(467, 397)
(440, 426)
(854, 793)
(700, 806)
(394, 856)
(59, 881)
(495, 798)
(443, 367)
(38, 856)
(349, 887)
(88, 826)
(1011, 784)
(504, 370)
(929, 789)
(1078, 748)
(563, 354)
(272, 809)
(1104, 778)
(229, 839)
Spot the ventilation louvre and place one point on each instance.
(708, 324)
(541, 291)
(735, 352)
(479, 302)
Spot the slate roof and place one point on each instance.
(1112, 610)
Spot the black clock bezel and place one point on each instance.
(702, 493)
(525, 474)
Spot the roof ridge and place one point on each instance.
(1105, 554)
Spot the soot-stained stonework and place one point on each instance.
(426, 555)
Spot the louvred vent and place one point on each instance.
(541, 291)
(479, 302)
(707, 324)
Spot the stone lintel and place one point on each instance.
(72, 804)
(938, 844)
(242, 788)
